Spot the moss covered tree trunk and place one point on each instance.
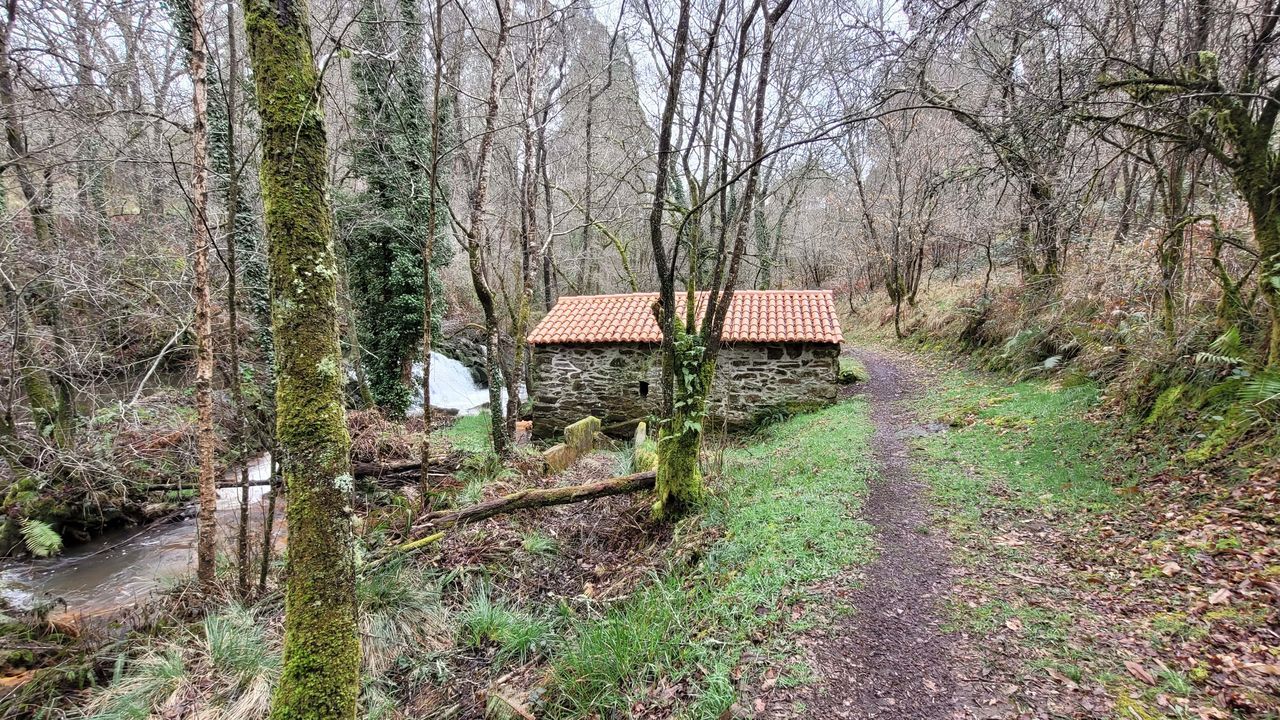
(679, 483)
(321, 673)
(477, 234)
(1266, 230)
(49, 395)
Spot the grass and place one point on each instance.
(228, 663)
(1029, 451)
(1031, 439)
(229, 657)
(470, 433)
(516, 634)
(785, 512)
(535, 543)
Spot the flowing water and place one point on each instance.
(452, 388)
(124, 566)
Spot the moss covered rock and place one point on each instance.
(581, 436)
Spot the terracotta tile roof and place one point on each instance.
(754, 316)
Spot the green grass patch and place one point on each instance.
(787, 513)
(470, 433)
(518, 635)
(1031, 438)
(851, 371)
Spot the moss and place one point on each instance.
(1127, 707)
(851, 371)
(581, 435)
(645, 457)
(1230, 428)
(679, 480)
(320, 677)
(1166, 405)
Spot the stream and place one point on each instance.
(124, 566)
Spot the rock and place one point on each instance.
(581, 436)
(558, 458)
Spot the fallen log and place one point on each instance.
(442, 464)
(543, 497)
(158, 487)
(526, 499)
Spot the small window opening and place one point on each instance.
(644, 388)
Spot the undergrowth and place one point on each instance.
(1093, 553)
(786, 510)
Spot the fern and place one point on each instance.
(1214, 359)
(1260, 395)
(1226, 350)
(40, 538)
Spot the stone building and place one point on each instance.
(598, 355)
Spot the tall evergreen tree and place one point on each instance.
(386, 223)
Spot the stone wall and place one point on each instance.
(620, 382)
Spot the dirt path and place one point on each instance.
(891, 658)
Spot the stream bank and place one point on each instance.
(123, 566)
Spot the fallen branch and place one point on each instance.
(542, 497)
(625, 427)
(158, 487)
(521, 500)
(443, 463)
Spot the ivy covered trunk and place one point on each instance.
(679, 482)
(1266, 228)
(321, 673)
(1256, 179)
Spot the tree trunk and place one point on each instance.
(320, 677)
(477, 233)
(1266, 231)
(42, 398)
(426, 487)
(233, 302)
(586, 266)
(679, 481)
(206, 521)
(353, 340)
(268, 524)
(50, 396)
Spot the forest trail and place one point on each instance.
(892, 658)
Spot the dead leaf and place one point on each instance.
(1135, 669)
(1057, 675)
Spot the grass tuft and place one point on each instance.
(535, 543)
(517, 635)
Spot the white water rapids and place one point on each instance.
(452, 388)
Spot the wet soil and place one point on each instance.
(892, 657)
